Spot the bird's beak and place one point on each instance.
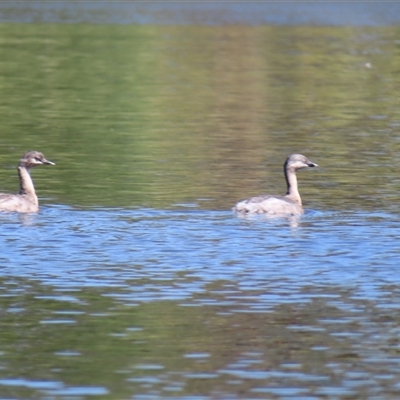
(312, 164)
(47, 162)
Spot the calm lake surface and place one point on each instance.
(135, 280)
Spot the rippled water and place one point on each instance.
(186, 303)
(109, 247)
(135, 280)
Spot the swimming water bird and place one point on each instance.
(26, 200)
(290, 204)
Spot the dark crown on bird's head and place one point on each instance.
(298, 161)
(32, 159)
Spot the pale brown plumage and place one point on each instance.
(290, 204)
(26, 200)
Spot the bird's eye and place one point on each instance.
(38, 159)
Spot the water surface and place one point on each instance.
(135, 280)
(203, 12)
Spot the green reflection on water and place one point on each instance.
(152, 347)
(156, 116)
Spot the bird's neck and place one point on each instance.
(25, 182)
(292, 189)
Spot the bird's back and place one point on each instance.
(271, 205)
(18, 202)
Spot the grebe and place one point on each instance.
(26, 200)
(290, 204)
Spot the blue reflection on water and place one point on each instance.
(204, 13)
(176, 254)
